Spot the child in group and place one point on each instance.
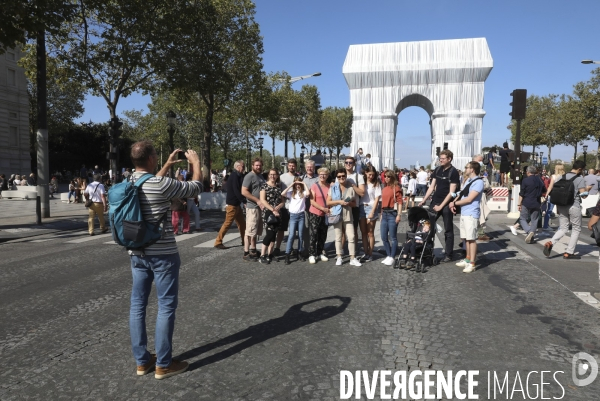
(297, 194)
(410, 247)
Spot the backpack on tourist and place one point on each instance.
(563, 191)
(129, 229)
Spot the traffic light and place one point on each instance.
(115, 127)
(519, 104)
(445, 145)
(437, 151)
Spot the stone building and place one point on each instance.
(14, 116)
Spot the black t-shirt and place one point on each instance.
(490, 159)
(443, 179)
(504, 154)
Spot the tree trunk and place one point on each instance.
(43, 165)
(208, 124)
(273, 153)
(575, 156)
(598, 156)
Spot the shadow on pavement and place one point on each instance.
(293, 319)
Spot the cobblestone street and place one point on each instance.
(276, 332)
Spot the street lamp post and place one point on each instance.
(589, 62)
(171, 120)
(260, 143)
(292, 80)
(542, 160)
(585, 147)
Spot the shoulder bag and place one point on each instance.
(329, 220)
(89, 202)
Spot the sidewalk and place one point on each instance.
(18, 218)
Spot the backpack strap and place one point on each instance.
(142, 179)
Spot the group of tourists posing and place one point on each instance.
(307, 205)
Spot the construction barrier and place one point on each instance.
(499, 199)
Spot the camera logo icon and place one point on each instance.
(585, 369)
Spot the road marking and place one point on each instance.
(211, 243)
(90, 238)
(42, 240)
(588, 299)
(183, 237)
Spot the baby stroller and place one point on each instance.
(418, 217)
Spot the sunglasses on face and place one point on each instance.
(349, 162)
(341, 176)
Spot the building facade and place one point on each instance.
(14, 116)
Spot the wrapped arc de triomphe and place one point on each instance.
(444, 77)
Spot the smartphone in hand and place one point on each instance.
(347, 199)
(181, 155)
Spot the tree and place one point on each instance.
(538, 128)
(589, 94)
(570, 122)
(336, 129)
(216, 56)
(21, 20)
(65, 96)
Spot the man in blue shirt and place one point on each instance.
(469, 201)
(530, 203)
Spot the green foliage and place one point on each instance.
(23, 19)
(336, 128)
(82, 144)
(65, 95)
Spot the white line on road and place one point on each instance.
(211, 243)
(89, 238)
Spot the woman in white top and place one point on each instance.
(297, 194)
(369, 212)
(412, 190)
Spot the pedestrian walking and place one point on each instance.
(97, 194)
(569, 213)
(530, 202)
(192, 208)
(251, 186)
(318, 212)
(234, 201)
(422, 178)
(469, 201)
(159, 262)
(559, 171)
(444, 184)
(296, 193)
(341, 200)
(391, 211)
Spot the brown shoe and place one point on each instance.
(173, 369)
(221, 246)
(147, 367)
(483, 238)
(104, 230)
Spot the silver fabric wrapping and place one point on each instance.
(444, 77)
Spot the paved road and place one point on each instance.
(276, 332)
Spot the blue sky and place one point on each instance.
(537, 45)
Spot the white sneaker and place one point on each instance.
(324, 258)
(355, 262)
(513, 230)
(462, 263)
(388, 261)
(338, 262)
(384, 261)
(312, 260)
(469, 268)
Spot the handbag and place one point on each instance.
(331, 220)
(335, 218)
(272, 219)
(89, 202)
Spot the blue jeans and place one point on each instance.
(421, 189)
(164, 271)
(548, 215)
(296, 223)
(389, 231)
